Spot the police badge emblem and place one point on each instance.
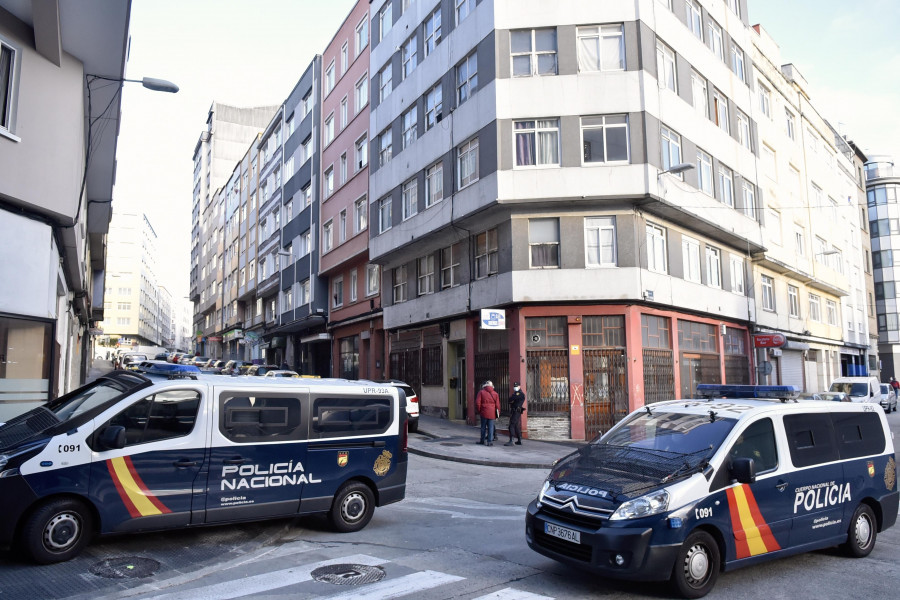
(890, 474)
(342, 458)
(383, 463)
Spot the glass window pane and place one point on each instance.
(545, 40)
(522, 66)
(616, 143)
(520, 41)
(593, 145)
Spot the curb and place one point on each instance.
(475, 461)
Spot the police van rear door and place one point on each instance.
(258, 452)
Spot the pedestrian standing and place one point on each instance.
(895, 385)
(487, 405)
(516, 408)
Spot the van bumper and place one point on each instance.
(17, 498)
(597, 552)
(889, 506)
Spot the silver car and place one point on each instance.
(888, 398)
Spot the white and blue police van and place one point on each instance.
(173, 448)
(683, 489)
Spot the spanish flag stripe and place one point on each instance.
(144, 489)
(765, 531)
(132, 509)
(137, 495)
(740, 542)
(750, 526)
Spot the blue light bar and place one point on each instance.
(714, 390)
(173, 371)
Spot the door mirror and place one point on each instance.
(743, 470)
(112, 437)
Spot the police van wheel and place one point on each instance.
(696, 566)
(56, 531)
(353, 507)
(863, 529)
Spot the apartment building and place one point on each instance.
(354, 284)
(60, 65)
(565, 198)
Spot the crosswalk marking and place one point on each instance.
(400, 586)
(511, 594)
(264, 582)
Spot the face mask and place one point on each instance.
(516, 388)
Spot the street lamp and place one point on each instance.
(151, 83)
(678, 169)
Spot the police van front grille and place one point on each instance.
(573, 516)
(577, 551)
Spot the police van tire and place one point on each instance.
(57, 530)
(352, 507)
(696, 566)
(863, 530)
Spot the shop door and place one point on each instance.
(698, 368)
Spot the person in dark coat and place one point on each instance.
(516, 408)
(487, 405)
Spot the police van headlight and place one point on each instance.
(645, 506)
(3, 460)
(543, 491)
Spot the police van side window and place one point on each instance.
(858, 434)
(757, 442)
(161, 416)
(249, 419)
(811, 439)
(335, 416)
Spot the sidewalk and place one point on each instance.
(454, 441)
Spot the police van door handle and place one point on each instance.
(781, 485)
(235, 460)
(185, 463)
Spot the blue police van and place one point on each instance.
(684, 489)
(174, 448)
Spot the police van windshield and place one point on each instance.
(670, 432)
(851, 389)
(90, 397)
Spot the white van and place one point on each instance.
(860, 389)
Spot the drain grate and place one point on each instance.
(450, 444)
(348, 574)
(125, 567)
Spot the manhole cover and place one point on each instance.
(348, 574)
(125, 567)
(450, 444)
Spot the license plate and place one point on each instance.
(570, 535)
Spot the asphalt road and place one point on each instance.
(459, 534)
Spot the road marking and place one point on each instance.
(511, 594)
(400, 586)
(460, 508)
(264, 582)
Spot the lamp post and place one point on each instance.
(678, 169)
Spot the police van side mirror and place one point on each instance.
(112, 437)
(743, 470)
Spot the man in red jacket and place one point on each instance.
(487, 405)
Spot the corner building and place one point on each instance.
(520, 162)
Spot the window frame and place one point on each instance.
(552, 245)
(533, 53)
(409, 193)
(690, 253)
(409, 127)
(600, 33)
(435, 112)
(713, 267)
(666, 65)
(9, 104)
(400, 281)
(385, 203)
(704, 173)
(360, 214)
(600, 224)
(464, 151)
(535, 132)
(737, 275)
(605, 127)
(793, 301)
(430, 41)
(486, 253)
(425, 279)
(767, 291)
(466, 78)
(657, 248)
(434, 173)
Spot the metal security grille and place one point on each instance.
(659, 375)
(605, 389)
(547, 384)
(494, 367)
(406, 365)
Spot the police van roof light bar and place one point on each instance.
(173, 371)
(771, 392)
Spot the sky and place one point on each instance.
(250, 53)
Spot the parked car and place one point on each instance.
(199, 361)
(860, 389)
(281, 373)
(809, 396)
(187, 359)
(888, 398)
(232, 367)
(130, 360)
(161, 356)
(835, 396)
(260, 370)
(213, 365)
(412, 402)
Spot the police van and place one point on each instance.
(174, 448)
(684, 489)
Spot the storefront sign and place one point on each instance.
(492, 318)
(234, 334)
(769, 340)
(214, 338)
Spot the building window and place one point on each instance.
(737, 275)
(362, 35)
(342, 226)
(409, 127)
(789, 123)
(765, 100)
(434, 184)
(463, 8)
(737, 61)
(408, 57)
(329, 129)
(726, 185)
(714, 39)
(774, 226)
(720, 103)
(409, 194)
(8, 85)
(259, 307)
(307, 195)
(600, 241)
(533, 52)
(306, 105)
(384, 214)
(604, 139)
(467, 163)
(768, 293)
(699, 95)
(656, 249)
(337, 292)
(665, 67)
(815, 313)
(432, 30)
(694, 18)
(466, 78)
(343, 168)
(304, 244)
(385, 147)
(735, 6)
(373, 279)
(327, 236)
(385, 85)
(713, 267)
(794, 301)
(329, 182)
(671, 149)
(799, 241)
(690, 251)
(749, 199)
(450, 266)
(743, 122)
(329, 78)
(399, 283)
(349, 351)
(361, 96)
(287, 299)
(344, 114)
(537, 142)
(361, 153)
(486, 255)
(543, 242)
(360, 214)
(345, 60)
(385, 19)
(434, 105)
(704, 172)
(426, 275)
(601, 48)
(306, 150)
